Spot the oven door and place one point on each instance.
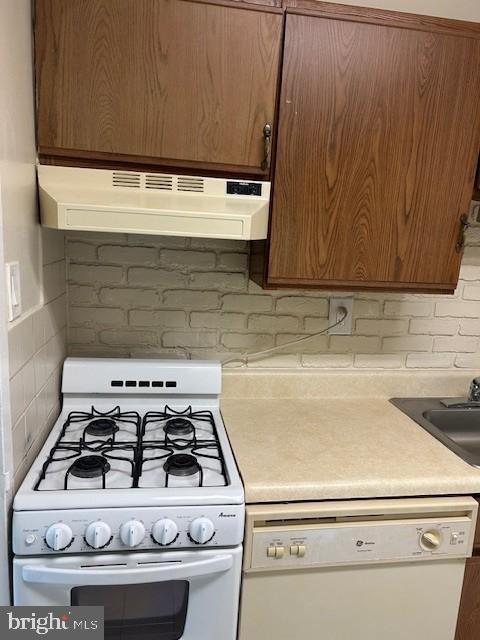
(187, 595)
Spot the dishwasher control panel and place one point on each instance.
(363, 542)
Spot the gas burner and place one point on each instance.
(89, 467)
(101, 427)
(178, 427)
(181, 464)
(112, 426)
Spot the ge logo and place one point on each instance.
(359, 543)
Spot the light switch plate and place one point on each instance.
(13, 290)
(334, 315)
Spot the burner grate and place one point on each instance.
(178, 442)
(102, 426)
(191, 445)
(82, 465)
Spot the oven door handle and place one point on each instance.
(126, 575)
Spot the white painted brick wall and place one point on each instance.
(145, 295)
(37, 347)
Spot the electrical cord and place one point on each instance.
(243, 358)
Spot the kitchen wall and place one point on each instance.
(460, 9)
(147, 296)
(5, 442)
(36, 351)
(36, 340)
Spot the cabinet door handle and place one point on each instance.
(267, 144)
(464, 224)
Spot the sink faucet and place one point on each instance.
(474, 391)
(472, 401)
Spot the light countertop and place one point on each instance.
(301, 449)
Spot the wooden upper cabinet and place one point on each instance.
(171, 82)
(379, 130)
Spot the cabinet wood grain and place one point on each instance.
(373, 15)
(379, 130)
(178, 82)
(468, 625)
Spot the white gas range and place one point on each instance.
(135, 498)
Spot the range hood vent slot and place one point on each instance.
(158, 181)
(190, 184)
(126, 179)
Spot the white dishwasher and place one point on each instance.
(355, 570)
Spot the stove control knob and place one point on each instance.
(132, 533)
(201, 530)
(98, 535)
(164, 531)
(59, 536)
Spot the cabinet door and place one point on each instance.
(175, 82)
(376, 153)
(468, 625)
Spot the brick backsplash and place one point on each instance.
(160, 296)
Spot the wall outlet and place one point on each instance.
(335, 313)
(13, 290)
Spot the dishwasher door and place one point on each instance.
(357, 570)
(410, 601)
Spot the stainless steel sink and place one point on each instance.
(460, 425)
(456, 428)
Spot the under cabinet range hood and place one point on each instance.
(152, 203)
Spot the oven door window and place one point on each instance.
(155, 611)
